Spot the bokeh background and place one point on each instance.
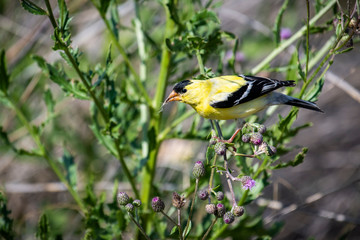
(318, 199)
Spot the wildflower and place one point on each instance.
(245, 138)
(122, 198)
(199, 169)
(238, 211)
(157, 204)
(228, 217)
(256, 138)
(285, 33)
(210, 208)
(203, 194)
(137, 203)
(220, 210)
(220, 148)
(247, 182)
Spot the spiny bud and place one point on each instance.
(245, 138)
(271, 151)
(256, 138)
(262, 129)
(203, 194)
(219, 195)
(213, 141)
(137, 203)
(238, 211)
(220, 148)
(122, 198)
(177, 200)
(129, 207)
(199, 169)
(157, 204)
(263, 147)
(228, 217)
(210, 208)
(220, 210)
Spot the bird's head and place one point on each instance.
(182, 92)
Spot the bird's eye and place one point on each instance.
(183, 90)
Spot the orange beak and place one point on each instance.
(173, 97)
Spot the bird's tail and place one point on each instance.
(302, 104)
(279, 98)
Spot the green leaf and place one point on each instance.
(6, 223)
(210, 154)
(4, 76)
(104, 5)
(43, 231)
(67, 161)
(32, 8)
(174, 231)
(188, 229)
(49, 101)
(299, 158)
(277, 26)
(314, 92)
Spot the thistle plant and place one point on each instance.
(166, 41)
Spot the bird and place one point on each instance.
(234, 97)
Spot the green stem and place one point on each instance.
(50, 13)
(139, 227)
(288, 42)
(192, 207)
(162, 135)
(200, 62)
(56, 169)
(307, 39)
(210, 227)
(128, 63)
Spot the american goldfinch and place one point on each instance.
(232, 97)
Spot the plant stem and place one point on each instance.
(307, 39)
(191, 207)
(200, 62)
(139, 227)
(209, 229)
(289, 41)
(162, 135)
(171, 220)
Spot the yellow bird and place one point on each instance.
(232, 97)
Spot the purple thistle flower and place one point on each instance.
(285, 33)
(248, 183)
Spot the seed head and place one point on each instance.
(220, 148)
(129, 208)
(228, 217)
(256, 138)
(210, 208)
(219, 195)
(238, 211)
(220, 210)
(199, 169)
(245, 138)
(122, 198)
(157, 204)
(203, 194)
(178, 201)
(137, 203)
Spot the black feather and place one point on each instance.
(180, 87)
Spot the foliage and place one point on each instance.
(126, 121)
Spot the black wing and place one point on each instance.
(254, 88)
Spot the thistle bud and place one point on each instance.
(245, 138)
(129, 208)
(220, 210)
(220, 148)
(122, 198)
(219, 195)
(256, 138)
(137, 203)
(203, 194)
(177, 200)
(238, 211)
(271, 151)
(199, 169)
(157, 204)
(262, 129)
(228, 217)
(210, 208)
(213, 141)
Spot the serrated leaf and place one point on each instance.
(174, 231)
(104, 5)
(67, 160)
(43, 231)
(315, 90)
(4, 76)
(6, 223)
(32, 8)
(277, 26)
(299, 158)
(188, 229)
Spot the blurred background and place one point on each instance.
(318, 199)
